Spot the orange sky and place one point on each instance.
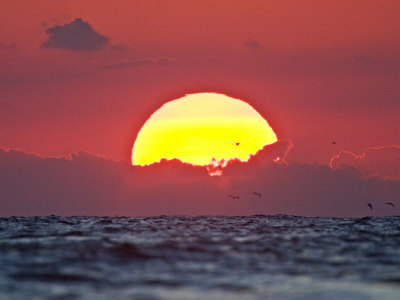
(281, 24)
(317, 70)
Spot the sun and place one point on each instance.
(201, 128)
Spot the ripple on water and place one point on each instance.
(208, 257)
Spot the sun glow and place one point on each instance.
(200, 128)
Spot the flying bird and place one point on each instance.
(256, 194)
(370, 206)
(234, 197)
(390, 203)
(238, 143)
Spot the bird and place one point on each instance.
(390, 203)
(370, 206)
(333, 143)
(234, 197)
(238, 143)
(256, 194)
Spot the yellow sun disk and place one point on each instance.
(200, 127)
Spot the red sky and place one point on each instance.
(318, 71)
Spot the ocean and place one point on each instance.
(206, 257)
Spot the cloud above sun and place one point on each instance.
(10, 46)
(77, 35)
(254, 44)
(160, 61)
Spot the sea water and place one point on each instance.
(210, 257)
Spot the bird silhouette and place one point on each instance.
(390, 203)
(370, 206)
(234, 197)
(256, 194)
(238, 143)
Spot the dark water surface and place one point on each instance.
(258, 257)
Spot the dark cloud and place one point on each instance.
(139, 62)
(77, 35)
(253, 44)
(383, 161)
(364, 59)
(8, 47)
(84, 184)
